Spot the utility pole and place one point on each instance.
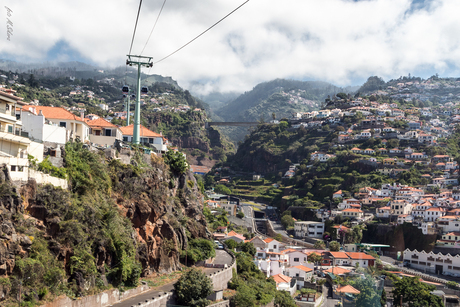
(139, 61)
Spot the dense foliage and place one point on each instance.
(176, 161)
(410, 291)
(193, 288)
(253, 288)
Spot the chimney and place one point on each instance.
(82, 115)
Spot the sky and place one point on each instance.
(339, 41)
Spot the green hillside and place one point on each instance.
(275, 97)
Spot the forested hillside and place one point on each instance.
(275, 97)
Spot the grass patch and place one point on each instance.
(158, 280)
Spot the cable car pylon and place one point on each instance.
(140, 61)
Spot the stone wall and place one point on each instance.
(159, 301)
(42, 178)
(102, 299)
(221, 278)
(221, 304)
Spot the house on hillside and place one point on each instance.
(285, 283)
(76, 126)
(147, 137)
(309, 229)
(103, 132)
(300, 273)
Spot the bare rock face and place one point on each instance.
(161, 210)
(12, 243)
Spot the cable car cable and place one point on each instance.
(135, 26)
(201, 33)
(158, 17)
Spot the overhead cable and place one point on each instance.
(201, 33)
(135, 26)
(158, 17)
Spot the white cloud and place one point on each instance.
(333, 40)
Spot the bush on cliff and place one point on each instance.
(193, 288)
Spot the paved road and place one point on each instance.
(222, 257)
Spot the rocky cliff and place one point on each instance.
(116, 223)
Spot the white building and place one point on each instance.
(432, 214)
(75, 125)
(309, 229)
(147, 137)
(433, 263)
(300, 273)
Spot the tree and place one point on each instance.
(240, 214)
(220, 188)
(319, 244)
(248, 248)
(32, 81)
(279, 237)
(193, 288)
(205, 247)
(287, 221)
(334, 246)
(341, 95)
(176, 161)
(283, 299)
(415, 293)
(315, 258)
(369, 296)
(245, 297)
(231, 244)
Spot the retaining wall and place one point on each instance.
(159, 301)
(221, 278)
(102, 299)
(221, 304)
(43, 178)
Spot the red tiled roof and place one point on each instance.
(360, 256)
(348, 289)
(100, 122)
(144, 132)
(340, 255)
(303, 268)
(353, 210)
(279, 278)
(53, 112)
(337, 271)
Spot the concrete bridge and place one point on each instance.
(235, 124)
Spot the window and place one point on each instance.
(10, 129)
(7, 107)
(125, 139)
(304, 259)
(296, 259)
(13, 168)
(274, 246)
(97, 132)
(108, 132)
(63, 124)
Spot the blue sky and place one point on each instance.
(340, 41)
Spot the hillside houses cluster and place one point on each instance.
(26, 129)
(433, 213)
(291, 266)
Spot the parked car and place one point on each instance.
(320, 273)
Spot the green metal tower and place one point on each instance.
(139, 61)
